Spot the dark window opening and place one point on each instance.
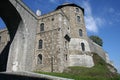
(83, 46)
(42, 27)
(39, 61)
(67, 38)
(0, 38)
(77, 9)
(40, 44)
(80, 32)
(52, 19)
(78, 18)
(65, 44)
(66, 57)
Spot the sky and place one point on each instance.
(102, 18)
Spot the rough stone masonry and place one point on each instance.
(50, 42)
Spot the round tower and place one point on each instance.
(79, 50)
(75, 15)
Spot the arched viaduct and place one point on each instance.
(18, 54)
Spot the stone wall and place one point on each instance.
(21, 54)
(4, 38)
(54, 50)
(58, 52)
(81, 60)
(51, 49)
(99, 50)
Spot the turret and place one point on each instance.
(75, 15)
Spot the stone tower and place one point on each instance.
(52, 42)
(75, 15)
(79, 50)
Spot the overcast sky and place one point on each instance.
(102, 18)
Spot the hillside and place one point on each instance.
(99, 72)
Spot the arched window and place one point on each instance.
(42, 27)
(78, 18)
(39, 59)
(80, 32)
(83, 46)
(40, 44)
(77, 9)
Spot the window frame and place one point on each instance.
(78, 19)
(83, 46)
(40, 44)
(80, 32)
(77, 9)
(39, 59)
(42, 27)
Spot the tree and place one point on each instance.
(97, 40)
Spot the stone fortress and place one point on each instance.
(60, 41)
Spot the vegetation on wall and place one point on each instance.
(97, 40)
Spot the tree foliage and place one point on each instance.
(97, 40)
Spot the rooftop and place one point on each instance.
(69, 4)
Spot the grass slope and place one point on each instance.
(98, 72)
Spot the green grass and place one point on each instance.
(98, 72)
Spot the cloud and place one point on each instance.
(53, 1)
(111, 10)
(99, 21)
(92, 23)
(114, 16)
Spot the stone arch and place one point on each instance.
(18, 19)
(12, 19)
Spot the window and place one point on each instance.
(67, 38)
(66, 57)
(40, 44)
(42, 27)
(78, 18)
(83, 46)
(80, 32)
(77, 9)
(65, 44)
(52, 19)
(39, 59)
(0, 38)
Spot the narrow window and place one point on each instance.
(78, 18)
(65, 44)
(42, 27)
(80, 32)
(0, 38)
(83, 46)
(40, 44)
(77, 9)
(39, 60)
(66, 57)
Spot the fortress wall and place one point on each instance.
(97, 49)
(81, 60)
